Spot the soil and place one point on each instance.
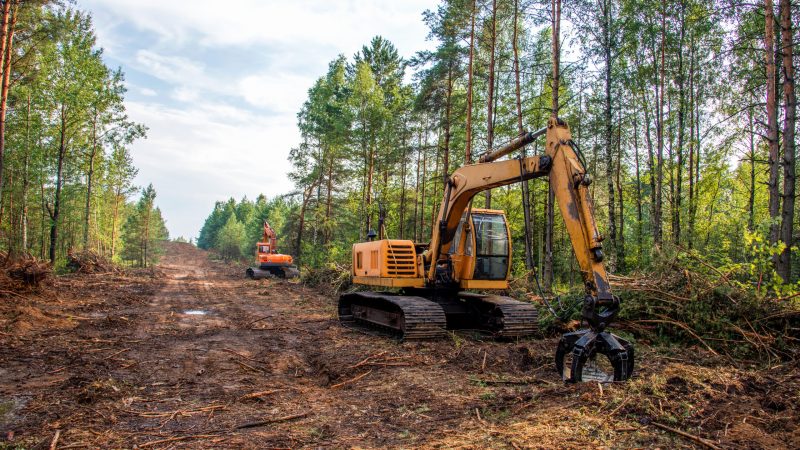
(191, 354)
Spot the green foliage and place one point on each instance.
(233, 228)
(67, 169)
(231, 238)
(663, 101)
(757, 274)
(144, 231)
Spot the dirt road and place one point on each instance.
(193, 355)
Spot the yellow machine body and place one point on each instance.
(480, 253)
(387, 263)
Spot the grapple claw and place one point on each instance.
(580, 351)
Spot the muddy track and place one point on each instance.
(194, 355)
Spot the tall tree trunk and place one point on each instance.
(515, 47)
(146, 237)
(362, 208)
(690, 233)
(772, 123)
(118, 197)
(56, 212)
(751, 199)
(468, 145)
(490, 98)
(697, 145)
(639, 231)
(548, 239)
(302, 221)
(417, 191)
(789, 180)
(12, 244)
(424, 183)
(555, 18)
(7, 38)
(609, 131)
(89, 181)
(547, 276)
(657, 221)
(370, 174)
(620, 157)
(43, 219)
(526, 206)
(676, 228)
(25, 175)
(651, 163)
(436, 192)
(447, 124)
(671, 160)
(403, 185)
(329, 200)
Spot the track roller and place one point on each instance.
(502, 316)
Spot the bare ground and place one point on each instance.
(193, 355)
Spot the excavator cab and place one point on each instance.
(481, 248)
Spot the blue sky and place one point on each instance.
(219, 85)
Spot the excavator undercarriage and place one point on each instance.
(269, 270)
(427, 316)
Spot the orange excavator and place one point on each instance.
(269, 261)
(428, 288)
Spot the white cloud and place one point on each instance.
(174, 69)
(281, 91)
(210, 23)
(184, 94)
(235, 73)
(195, 156)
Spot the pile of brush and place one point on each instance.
(688, 299)
(88, 261)
(18, 272)
(333, 276)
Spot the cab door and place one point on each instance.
(492, 246)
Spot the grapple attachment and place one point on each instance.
(586, 355)
(594, 354)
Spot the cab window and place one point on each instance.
(491, 247)
(263, 249)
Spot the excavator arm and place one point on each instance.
(562, 162)
(270, 237)
(569, 181)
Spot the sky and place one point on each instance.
(219, 85)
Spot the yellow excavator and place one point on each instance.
(426, 288)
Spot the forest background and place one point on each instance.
(66, 173)
(685, 111)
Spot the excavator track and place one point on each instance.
(503, 316)
(409, 317)
(257, 273)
